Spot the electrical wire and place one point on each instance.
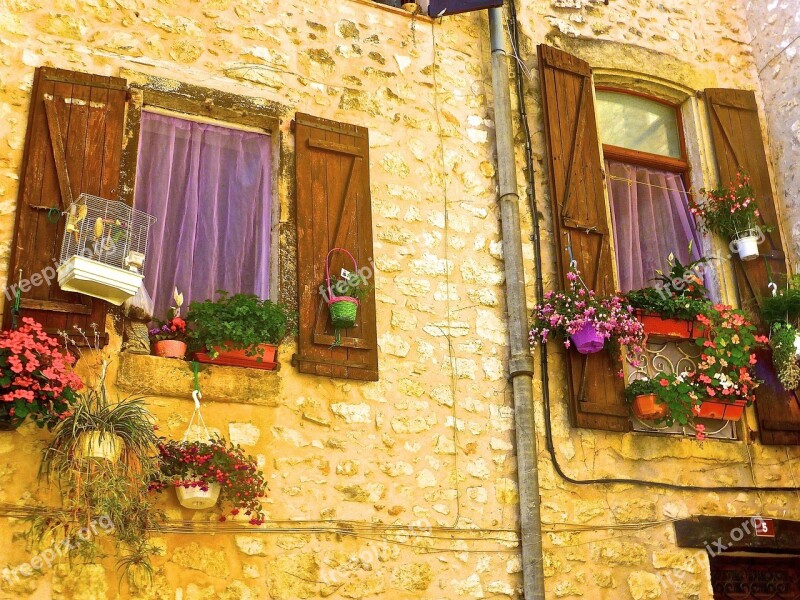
(545, 379)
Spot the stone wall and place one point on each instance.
(775, 33)
(430, 444)
(616, 541)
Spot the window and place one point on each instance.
(646, 171)
(210, 189)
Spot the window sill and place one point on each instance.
(168, 377)
(392, 9)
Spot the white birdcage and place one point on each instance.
(104, 249)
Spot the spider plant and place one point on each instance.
(91, 488)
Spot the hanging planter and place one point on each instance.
(746, 244)
(100, 445)
(208, 469)
(344, 295)
(588, 339)
(197, 495)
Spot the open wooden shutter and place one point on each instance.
(738, 142)
(580, 223)
(73, 145)
(333, 211)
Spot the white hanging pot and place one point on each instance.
(746, 245)
(197, 499)
(94, 444)
(797, 344)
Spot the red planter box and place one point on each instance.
(727, 411)
(645, 407)
(239, 358)
(672, 329)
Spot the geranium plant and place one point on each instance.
(730, 211)
(36, 378)
(566, 313)
(193, 464)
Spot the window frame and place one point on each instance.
(211, 106)
(648, 159)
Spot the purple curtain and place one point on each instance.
(210, 189)
(650, 213)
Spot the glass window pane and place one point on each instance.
(637, 123)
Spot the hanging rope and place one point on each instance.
(197, 416)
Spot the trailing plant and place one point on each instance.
(785, 304)
(564, 313)
(238, 322)
(36, 377)
(784, 355)
(725, 370)
(641, 387)
(201, 463)
(729, 211)
(90, 486)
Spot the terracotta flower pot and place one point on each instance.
(676, 329)
(196, 498)
(270, 351)
(588, 340)
(170, 349)
(727, 411)
(647, 407)
(93, 444)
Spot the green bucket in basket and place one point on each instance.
(343, 312)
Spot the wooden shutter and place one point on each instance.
(333, 211)
(73, 145)
(738, 143)
(580, 222)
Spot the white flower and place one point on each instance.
(178, 298)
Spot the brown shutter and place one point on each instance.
(333, 210)
(580, 222)
(738, 142)
(73, 145)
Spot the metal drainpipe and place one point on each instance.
(521, 362)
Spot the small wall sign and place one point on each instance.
(765, 528)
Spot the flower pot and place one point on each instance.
(646, 407)
(170, 349)
(93, 444)
(344, 311)
(797, 344)
(99, 280)
(9, 422)
(658, 327)
(237, 356)
(197, 499)
(746, 245)
(588, 339)
(727, 411)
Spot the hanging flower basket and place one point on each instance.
(746, 244)
(96, 444)
(727, 411)
(197, 495)
(588, 339)
(343, 309)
